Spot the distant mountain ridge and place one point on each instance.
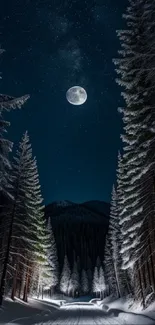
(99, 208)
(79, 229)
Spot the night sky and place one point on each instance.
(52, 45)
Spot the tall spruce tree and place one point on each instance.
(109, 271)
(65, 277)
(125, 276)
(74, 284)
(136, 70)
(84, 282)
(52, 255)
(101, 281)
(41, 256)
(26, 235)
(95, 282)
(112, 248)
(24, 212)
(37, 266)
(7, 103)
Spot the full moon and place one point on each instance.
(76, 95)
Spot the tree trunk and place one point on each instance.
(128, 282)
(14, 285)
(6, 260)
(22, 285)
(26, 286)
(117, 281)
(151, 263)
(38, 292)
(19, 291)
(141, 286)
(38, 286)
(42, 293)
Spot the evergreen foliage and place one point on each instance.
(74, 283)
(65, 277)
(95, 283)
(135, 249)
(28, 250)
(52, 255)
(84, 282)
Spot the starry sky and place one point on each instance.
(50, 47)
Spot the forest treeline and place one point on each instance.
(28, 259)
(79, 231)
(28, 254)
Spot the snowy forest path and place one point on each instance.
(88, 314)
(82, 314)
(78, 313)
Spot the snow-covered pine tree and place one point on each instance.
(46, 272)
(26, 213)
(17, 208)
(114, 276)
(65, 277)
(95, 283)
(109, 272)
(74, 284)
(126, 276)
(112, 233)
(102, 285)
(136, 68)
(38, 269)
(52, 255)
(116, 241)
(84, 282)
(7, 103)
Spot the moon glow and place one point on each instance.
(76, 95)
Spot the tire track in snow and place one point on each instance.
(65, 319)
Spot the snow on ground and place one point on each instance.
(18, 312)
(54, 302)
(122, 303)
(128, 311)
(38, 312)
(127, 305)
(87, 314)
(150, 311)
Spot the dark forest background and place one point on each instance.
(79, 231)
